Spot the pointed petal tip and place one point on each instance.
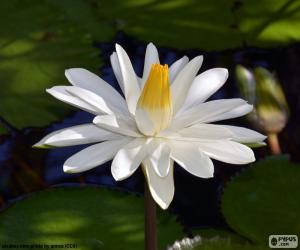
(151, 45)
(118, 46)
(38, 145)
(210, 175)
(251, 159)
(49, 90)
(185, 59)
(69, 70)
(224, 71)
(162, 174)
(119, 50)
(164, 206)
(41, 144)
(113, 54)
(251, 107)
(69, 170)
(116, 176)
(97, 119)
(242, 102)
(199, 58)
(68, 73)
(113, 171)
(226, 74)
(54, 89)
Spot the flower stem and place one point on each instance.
(274, 144)
(150, 220)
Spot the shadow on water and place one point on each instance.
(24, 169)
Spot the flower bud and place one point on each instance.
(263, 90)
(246, 83)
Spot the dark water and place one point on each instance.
(24, 169)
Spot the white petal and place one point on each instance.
(240, 110)
(117, 70)
(159, 156)
(244, 135)
(182, 83)
(188, 156)
(204, 85)
(87, 80)
(117, 125)
(151, 57)
(93, 156)
(131, 86)
(139, 79)
(128, 159)
(204, 132)
(176, 67)
(94, 100)
(228, 151)
(143, 122)
(60, 93)
(162, 189)
(76, 135)
(205, 112)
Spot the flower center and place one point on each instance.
(155, 98)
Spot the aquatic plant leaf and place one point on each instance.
(26, 75)
(2, 130)
(92, 218)
(34, 52)
(182, 24)
(264, 24)
(262, 200)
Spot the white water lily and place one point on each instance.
(163, 118)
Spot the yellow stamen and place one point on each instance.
(155, 98)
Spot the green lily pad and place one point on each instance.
(264, 200)
(27, 73)
(92, 218)
(267, 24)
(207, 25)
(38, 42)
(2, 130)
(39, 39)
(181, 24)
